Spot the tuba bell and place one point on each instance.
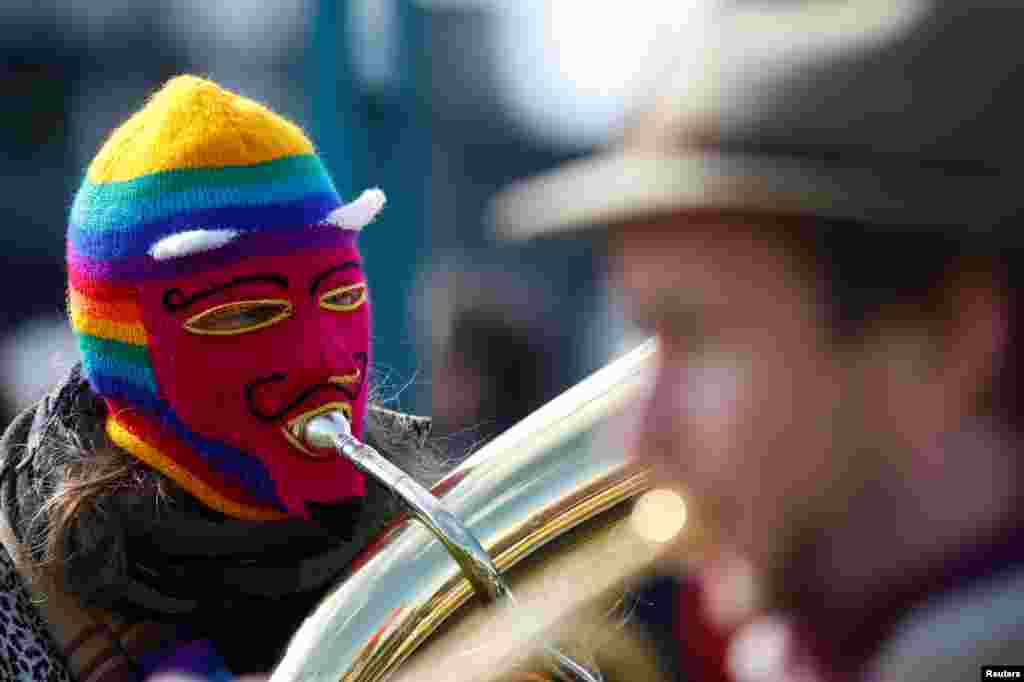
(549, 502)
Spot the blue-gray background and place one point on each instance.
(439, 102)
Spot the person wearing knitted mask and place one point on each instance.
(159, 511)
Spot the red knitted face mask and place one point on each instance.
(244, 353)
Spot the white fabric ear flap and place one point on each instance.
(190, 242)
(358, 214)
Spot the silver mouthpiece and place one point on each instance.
(322, 431)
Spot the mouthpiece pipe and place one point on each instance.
(332, 430)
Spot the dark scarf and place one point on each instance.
(246, 585)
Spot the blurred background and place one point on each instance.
(439, 102)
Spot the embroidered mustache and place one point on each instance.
(347, 385)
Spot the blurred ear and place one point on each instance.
(977, 340)
(931, 376)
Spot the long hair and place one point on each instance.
(82, 476)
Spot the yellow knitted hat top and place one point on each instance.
(194, 123)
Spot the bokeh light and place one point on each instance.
(659, 515)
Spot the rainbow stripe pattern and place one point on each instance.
(195, 157)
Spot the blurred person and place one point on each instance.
(824, 235)
(34, 355)
(494, 353)
(160, 511)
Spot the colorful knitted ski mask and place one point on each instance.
(219, 300)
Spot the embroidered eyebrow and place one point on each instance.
(175, 299)
(327, 273)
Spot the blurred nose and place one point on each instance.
(661, 432)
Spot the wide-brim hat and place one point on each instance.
(902, 112)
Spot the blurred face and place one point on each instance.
(802, 449)
(743, 409)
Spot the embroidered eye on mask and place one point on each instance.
(344, 299)
(239, 317)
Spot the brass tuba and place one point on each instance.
(544, 500)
